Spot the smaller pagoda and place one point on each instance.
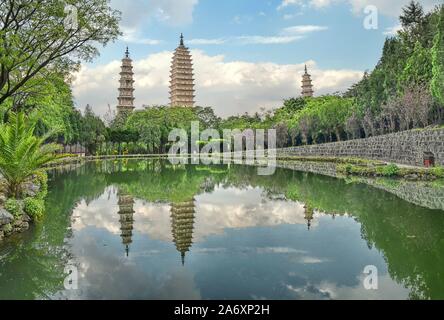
(308, 215)
(126, 88)
(307, 86)
(126, 213)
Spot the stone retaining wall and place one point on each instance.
(406, 147)
(421, 193)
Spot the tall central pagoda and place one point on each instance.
(182, 223)
(182, 81)
(126, 88)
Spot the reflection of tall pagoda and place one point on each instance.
(182, 224)
(126, 88)
(307, 86)
(126, 212)
(182, 82)
(308, 215)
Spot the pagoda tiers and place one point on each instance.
(182, 82)
(307, 86)
(126, 213)
(182, 224)
(126, 88)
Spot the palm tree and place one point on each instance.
(21, 153)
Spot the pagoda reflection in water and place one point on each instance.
(308, 215)
(126, 213)
(182, 225)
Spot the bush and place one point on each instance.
(34, 207)
(348, 168)
(438, 172)
(14, 207)
(390, 170)
(41, 178)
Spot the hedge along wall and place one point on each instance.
(406, 147)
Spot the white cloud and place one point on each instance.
(303, 29)
(132, 35)
(390, 8)
(287, 3)
(320, 3)
(268, 39)
(287, 35)
(246, 40)
(173, 12)
(392, 31)
(230, 87)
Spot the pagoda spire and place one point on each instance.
(126, 88)
(182, 77)
(307, 86)
(182, 225)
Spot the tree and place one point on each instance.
(281, 135)
(417, 70)
(109, 116)
(207, 117)
(22, 154)
(412, 14)
(437, 83)
(93, 130)
(353, 126)
(34, 37)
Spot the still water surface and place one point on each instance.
(144, 229)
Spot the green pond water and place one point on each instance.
(145, 229)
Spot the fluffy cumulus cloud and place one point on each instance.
(390, 8)
(231, 87)
(173, 12)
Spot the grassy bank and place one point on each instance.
(374, 168)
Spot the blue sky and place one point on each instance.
(346, 43)
(244, 38)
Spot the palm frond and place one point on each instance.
(21, 153)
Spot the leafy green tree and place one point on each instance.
(417, 69)
(93, 131)
(207, 117)
(437, 83)
(154, 124)
(39, 35)
(22, 154)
